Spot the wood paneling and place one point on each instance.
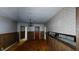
(30, 35)
(77, 28)
(56, 45)
(42, 35)
(1, 41)
(7, 39)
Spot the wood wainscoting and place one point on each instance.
(56, 45)
(31, 35)
(42, 35)
(8, 39)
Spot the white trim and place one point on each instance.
(9, 46)
(45, 32)
(25, 32)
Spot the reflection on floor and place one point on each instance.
(31, 45)
(17, 44)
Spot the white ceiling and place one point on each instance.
(37, 14)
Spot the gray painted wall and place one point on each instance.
(32, 28)
(64, 21)
(7, 25)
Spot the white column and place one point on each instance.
(26, 33)
(45, 32)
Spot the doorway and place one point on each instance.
(37, 32)
(22, 32)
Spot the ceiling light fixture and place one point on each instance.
(30, 24)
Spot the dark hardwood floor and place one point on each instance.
(32, 45)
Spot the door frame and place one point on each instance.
(20, 32)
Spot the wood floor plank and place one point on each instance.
(32, 45)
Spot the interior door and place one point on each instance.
(37, 32)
